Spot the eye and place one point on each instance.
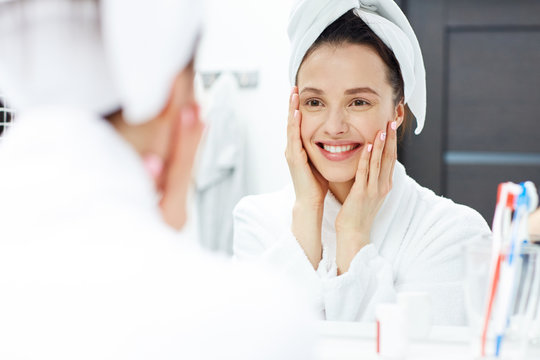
(359, 102)
(313, 103)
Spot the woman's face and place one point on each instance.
(345, 99)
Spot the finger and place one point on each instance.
(362, 172)
(375, 161)
(318, 176)
(389, 155)
(185, 138)
(294, 141)
(297, 137)
(291, 121)
(293, 102)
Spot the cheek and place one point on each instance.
(371, 122)
(307, 129)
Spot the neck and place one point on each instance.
(117, 121)
(341, 189)
(139, 136)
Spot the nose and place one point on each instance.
(336, 124)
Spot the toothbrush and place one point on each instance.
(501, 225)
(526, 201)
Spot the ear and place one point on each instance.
(400, 113)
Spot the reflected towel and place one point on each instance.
(309, 18)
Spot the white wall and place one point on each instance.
(245, 35)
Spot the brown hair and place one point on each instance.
(351, 29)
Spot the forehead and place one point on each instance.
(343, 67)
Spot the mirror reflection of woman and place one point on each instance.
(353, 227)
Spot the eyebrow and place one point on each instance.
(361, 90)
(347, 92)
(314, 90)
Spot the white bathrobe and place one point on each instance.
(416, 245)
(88, 269)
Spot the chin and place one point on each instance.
(336, 175)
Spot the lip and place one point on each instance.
(338, 156)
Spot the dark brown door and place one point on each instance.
(483, 79)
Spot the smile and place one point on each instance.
(338, 149)
(338, 152)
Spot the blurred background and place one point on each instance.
(483, 125)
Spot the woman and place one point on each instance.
(354, 227)
(95, 174)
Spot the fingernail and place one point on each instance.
(393, 125)
(296, 113)
(292, 90)
(369, 147)
(383, 136)
(187, 116)
(153, 164)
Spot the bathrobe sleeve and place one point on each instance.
(262, 235)
(353, 295)
(259, 237)
(430, 259)
(435, 264)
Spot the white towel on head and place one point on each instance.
(309, 18)
(97, 56)
(150, 42)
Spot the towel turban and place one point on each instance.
(96, 55)
(309, 18)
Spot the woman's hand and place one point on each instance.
(372, 183)
(309, 186)
(175, 178)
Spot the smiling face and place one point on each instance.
(345, 99)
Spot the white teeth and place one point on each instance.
(337, 149)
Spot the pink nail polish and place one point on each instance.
(383, 136)
(369, 147)
(393, 125)
(153, 164)
(187, 115)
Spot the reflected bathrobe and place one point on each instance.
(416, 244)
(89, 270)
